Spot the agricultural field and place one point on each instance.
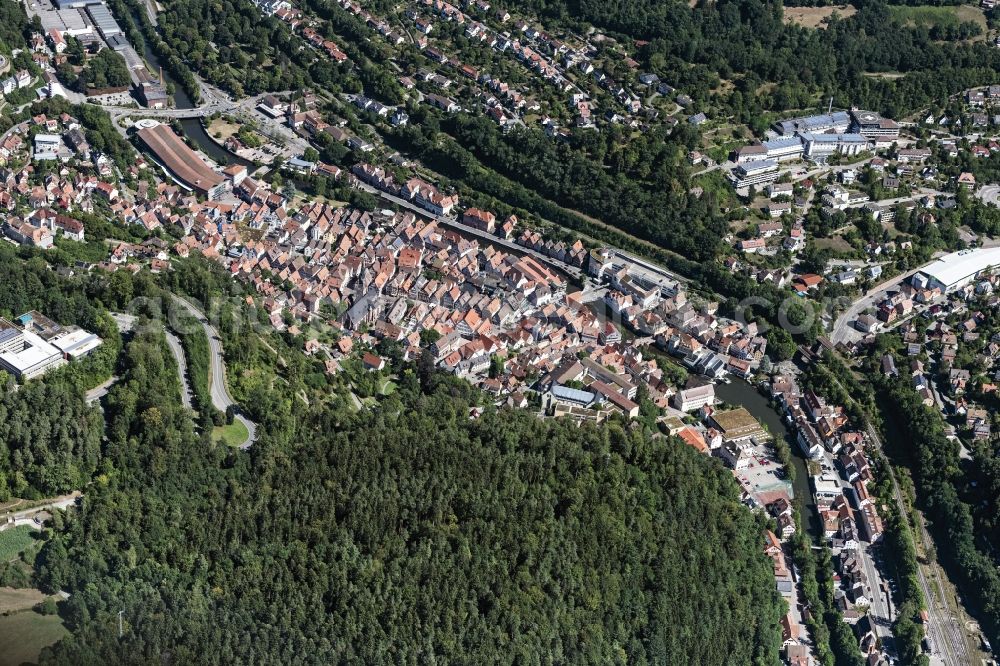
(816, 17)
(14, 541)
(24, 634)
(14, 599)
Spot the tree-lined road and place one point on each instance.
(221, 398)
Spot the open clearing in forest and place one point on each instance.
(14, 599)
(234, 434)
(15, 540)
(23, 635)
(939, 15)
(815, 17)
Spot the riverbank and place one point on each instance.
(740, 393)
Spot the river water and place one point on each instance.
(739, 392)
(192, 127)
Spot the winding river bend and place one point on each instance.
(739, 392)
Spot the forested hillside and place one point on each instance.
(404, 534)
(937, 471)
(49, 439)
(747, 42)
(13, 22)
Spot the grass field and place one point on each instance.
(814, 17)
(14, 541)
(931, 15)
(222, 129)
(14, 599)
(837, 244)
(23, 635)
(231, 435)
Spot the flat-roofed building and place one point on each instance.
(738, 425)
(76, 343)
(957, 270)
(33, 358)
(103, 20)
(821, 146)
(47, 146)
(826, 488)
(871, 124)
(694, 396)
(838, 121)
(11, 337)
(37, 323)
(761, 172)
(184, 164)
(784, 148)
(74, 4)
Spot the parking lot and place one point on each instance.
(989, 194)
(764, 474)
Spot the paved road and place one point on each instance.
(98, 392)
(941, 626)
(178, 351)
(60, 502)
(221, 398)
(843, 328)
(881, 605)
(126, 323)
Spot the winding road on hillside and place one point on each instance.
(178, 351)
(126, 323)
(222, 399)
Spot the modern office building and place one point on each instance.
(822, 146)
(838, 121)
(76, 343)
(25, 354)
(784, 148)
(871, 125)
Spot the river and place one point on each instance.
(739, 392)
(192, 127)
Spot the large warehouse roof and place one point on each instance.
(956, 267)
(183, 163)
(104, 20)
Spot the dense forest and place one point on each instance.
(49, 438)
(670, 217)
(746, 42)
(408, 532)
(13, 23)
(232, 45)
